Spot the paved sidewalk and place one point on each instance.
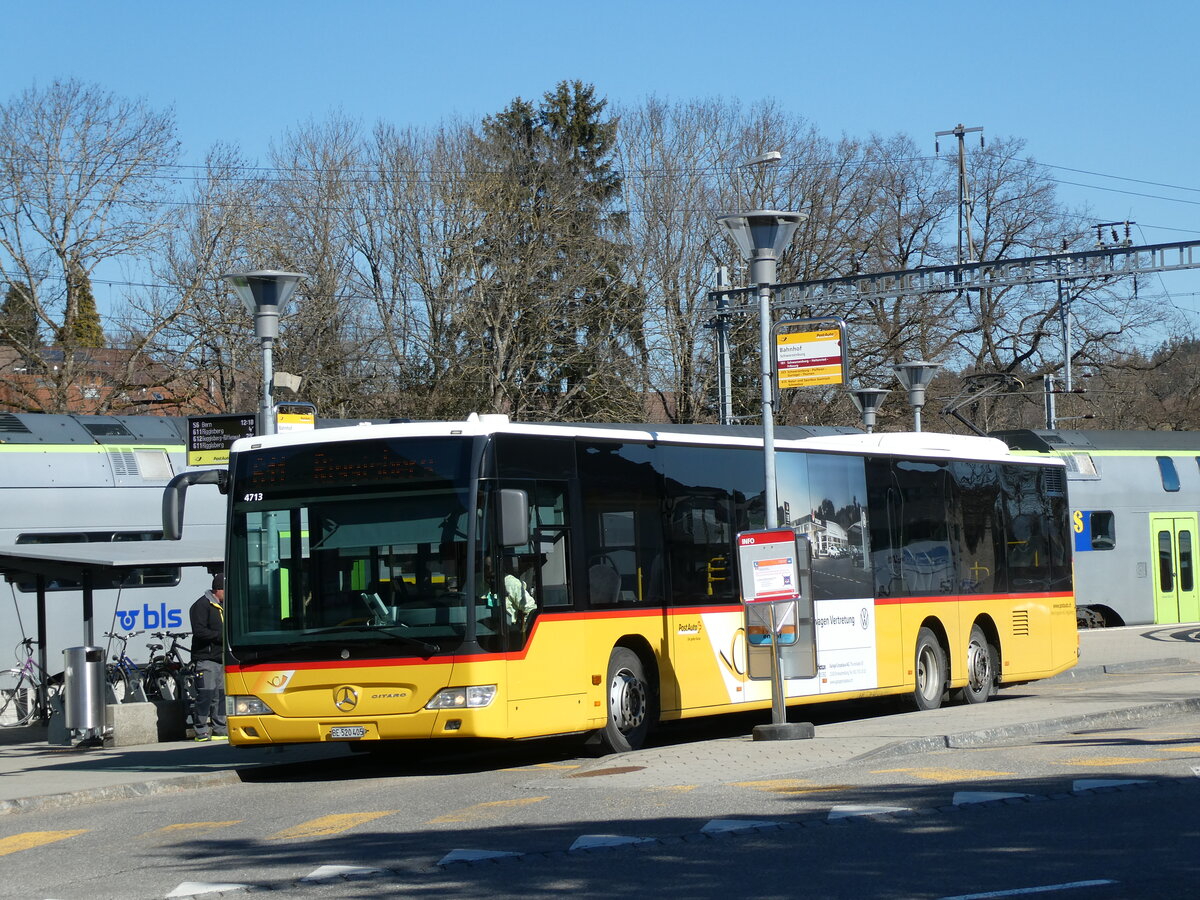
(1125, 675)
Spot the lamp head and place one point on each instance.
(264, 293)
(868, 401)
(915, 377)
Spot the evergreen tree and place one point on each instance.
(81, 324)
(19, 319)
(553, 330)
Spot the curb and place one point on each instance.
(983, 736)
(1145, 666)
(119, 792)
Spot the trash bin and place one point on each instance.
(83, 688)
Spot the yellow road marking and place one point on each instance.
(1100, 761)
(31, 839)
(327, 825)
(945, 775)
(1195, 748)
(789, 786)
(484, 810)
(676, 788)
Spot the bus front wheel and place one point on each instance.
(930, 671)
(630, 703)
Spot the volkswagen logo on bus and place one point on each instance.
(345, 698)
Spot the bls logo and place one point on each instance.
(151, 618)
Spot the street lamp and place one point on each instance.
(915, 377)
(264, 293)
(762, 235)
(868, 401)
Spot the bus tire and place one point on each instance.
(982, 668)
(631, 709)
(930, 670)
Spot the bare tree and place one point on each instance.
(325, 337)
(84, 177)
(192, 325)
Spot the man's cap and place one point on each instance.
(218, 582)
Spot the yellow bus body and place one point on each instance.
(556, 685)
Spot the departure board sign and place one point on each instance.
(810, 352)
(210, 437)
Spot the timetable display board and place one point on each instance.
(210, 437)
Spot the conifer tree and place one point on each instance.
(19, 320)
(81, 324)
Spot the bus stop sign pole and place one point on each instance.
(768, 570)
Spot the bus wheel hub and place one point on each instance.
(627, 700)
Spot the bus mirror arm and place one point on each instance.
(175, 494)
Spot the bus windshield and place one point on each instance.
(368, 566)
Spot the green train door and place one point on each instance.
(1173, 545)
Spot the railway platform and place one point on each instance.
(1125, 675)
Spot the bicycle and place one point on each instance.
(123, 674)
(27, 690)
(167, 676)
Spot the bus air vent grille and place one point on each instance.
(1056, 485)
(1020, 622)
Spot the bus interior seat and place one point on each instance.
(604, 583)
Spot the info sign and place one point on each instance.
(767, 566)
(210, 437)
(810, 352)
(776, 588)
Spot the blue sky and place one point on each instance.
(1106, 88)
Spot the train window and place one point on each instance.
(1104, 529)
(1165, 580)
(1186, 579)
(1170, 478)
(144, 576)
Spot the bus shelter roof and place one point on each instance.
(87, 562)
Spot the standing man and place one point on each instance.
(208, 638)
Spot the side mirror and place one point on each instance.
(514, 517)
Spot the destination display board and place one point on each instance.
(210, 437)
(810, 352)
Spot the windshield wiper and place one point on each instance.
(428, 648)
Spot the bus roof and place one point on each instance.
(835, 439)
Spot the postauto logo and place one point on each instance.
(150, 618)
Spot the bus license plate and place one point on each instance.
(347, 731)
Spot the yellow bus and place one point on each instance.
(491, 579)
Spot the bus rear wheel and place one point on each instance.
(631, 710)
(982, 667)
(930, 671)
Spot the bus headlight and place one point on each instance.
(241, 705)
(472, 697)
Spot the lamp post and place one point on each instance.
(915, 377)
(264, 293)
(868, 401)
(762, 235)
